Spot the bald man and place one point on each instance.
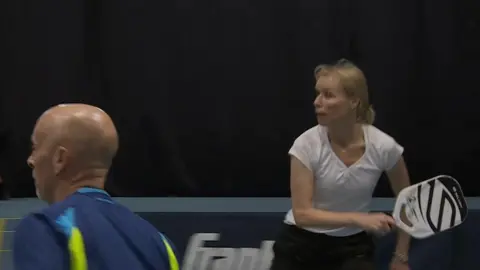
(83, 228)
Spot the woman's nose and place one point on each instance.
(317, 101)
(30, 162)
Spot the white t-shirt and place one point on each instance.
(339, 188)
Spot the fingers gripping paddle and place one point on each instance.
(430, 207)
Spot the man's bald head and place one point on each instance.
(85, 131)
(73, 145)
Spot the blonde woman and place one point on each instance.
(335, 167)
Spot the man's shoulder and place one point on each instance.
(33, 223)
(138, 221)
(57, 209)
(49, 216)
(44, 214)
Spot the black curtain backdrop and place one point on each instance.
(208, 96)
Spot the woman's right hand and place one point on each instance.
(378, 223)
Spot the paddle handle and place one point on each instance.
(397, 215)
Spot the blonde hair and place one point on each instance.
(354, 84)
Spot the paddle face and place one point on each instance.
(430, 207)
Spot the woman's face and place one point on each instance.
(332, 103)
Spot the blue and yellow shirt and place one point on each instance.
(89, 231)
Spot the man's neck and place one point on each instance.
(95, 179)
(63, 193)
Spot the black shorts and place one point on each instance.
(298, 249)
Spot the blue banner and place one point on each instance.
(224, 241)
(242, 240)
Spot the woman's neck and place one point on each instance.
(345, 135)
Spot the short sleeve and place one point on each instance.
(393, 153)
(36, 247)
(302, 150)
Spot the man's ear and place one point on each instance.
(59, 159)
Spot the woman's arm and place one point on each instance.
(399, 180)
(302, 187)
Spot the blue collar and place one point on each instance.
(93, 190)
(96, 193)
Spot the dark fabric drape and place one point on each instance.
(209, 96)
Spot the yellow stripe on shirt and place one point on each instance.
(172, 259)
(76, 246)
(78, 257)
